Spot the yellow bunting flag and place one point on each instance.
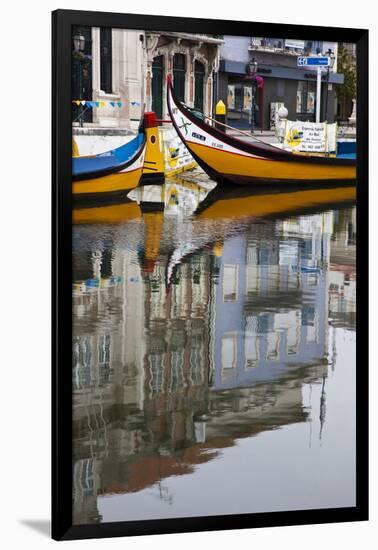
(102, 104)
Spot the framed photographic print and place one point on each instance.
(210, 315)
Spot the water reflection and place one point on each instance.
(201, 318)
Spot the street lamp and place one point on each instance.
(79, 43)
(79, 47)
(331, 56)
(251, 70)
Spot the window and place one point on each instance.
(230, 283)
(199, 80)
(81, 84)
(252, 279)
(306, 93)
(157, 85)
(177, 370)
(84, 471)
(82, 363)
(251, 342)
(293, 332)
(156, 364)
(229, 352)
(273, 346)
(104, 358)
(106, 60)
(196, 358)
(179, 70)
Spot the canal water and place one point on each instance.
(213, 353)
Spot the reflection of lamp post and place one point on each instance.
(79, 47)
(330, 66)
(251, 75)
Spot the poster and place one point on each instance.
(247, 100)
(310, 102)
(299, 101)
(231, 96)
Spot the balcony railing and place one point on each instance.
(279, 45)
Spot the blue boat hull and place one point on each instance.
(110, 162)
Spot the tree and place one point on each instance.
(346, 92)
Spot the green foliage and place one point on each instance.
(346, 66)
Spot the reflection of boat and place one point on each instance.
(153, 223)
(230, 160)
(223, 210)
(230, 204)
(115, 171)
(177, 197)
(115, 213)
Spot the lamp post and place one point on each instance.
(251, 75)
(330, 66)
(79, 47)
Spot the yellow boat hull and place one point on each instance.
(121, 181)
(249, 168)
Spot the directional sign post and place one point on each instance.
(318, 62)
(313, 61)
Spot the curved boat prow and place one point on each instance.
(230, 160)
(153, 168)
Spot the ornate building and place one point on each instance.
(122, 70)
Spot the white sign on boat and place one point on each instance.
(310, 137)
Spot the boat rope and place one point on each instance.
(243, 133)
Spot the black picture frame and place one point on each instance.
(62, 528)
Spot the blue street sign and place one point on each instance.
(313, 61)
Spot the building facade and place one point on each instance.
(280, 82)
(123, 70)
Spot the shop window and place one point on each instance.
(306, 94)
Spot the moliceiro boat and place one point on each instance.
(227, 159)
(113, 172)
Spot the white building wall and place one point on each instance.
(127, 79)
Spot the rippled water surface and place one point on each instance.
(213, 353)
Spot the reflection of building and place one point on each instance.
(284, 82)
(271, 308)
(130, 67)
(167, 371)
(157, 385)
(342, 271)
